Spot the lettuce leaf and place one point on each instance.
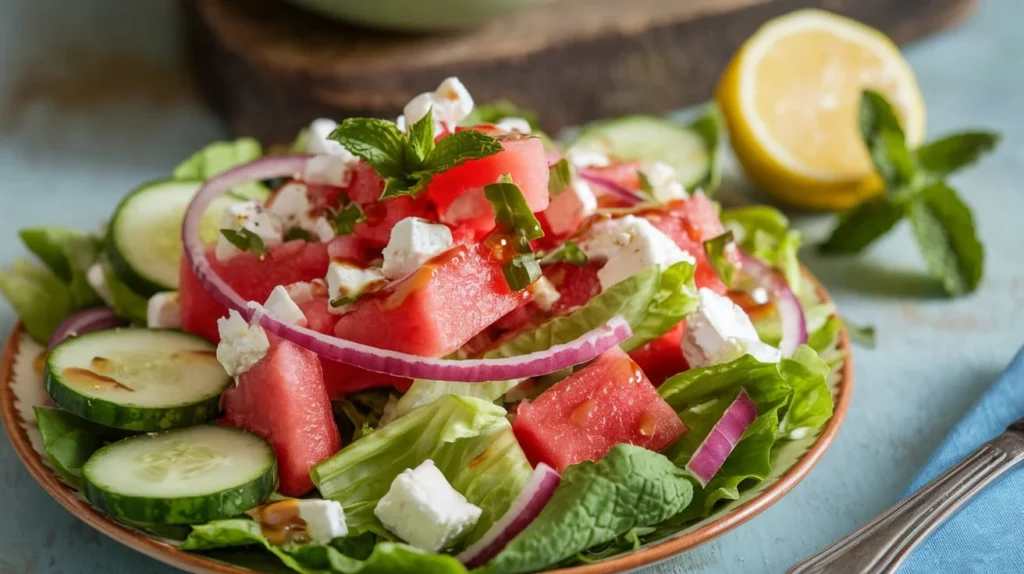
(630, 487)
(469, 439)
(423, 392)
(127, 303)
(222, 156)
(315, 558)
(70, 441)
(39, 298)
(764, 232)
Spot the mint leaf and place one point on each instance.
(863, 335)
(709, 126)
(512, 213)
(560, 177)
(377, 142)
(714, 248)
(460, 147)
(421, 140)
(245, 240)
(569, 252)
(522, 271)
(297, 233)
(944, 228)
(863, 225)
(955, 151)
(345, 220)
(397, 186)
(595, 503)
(881, 131)
(645, 184)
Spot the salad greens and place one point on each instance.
(245, 240)
(763, 232)
(219, 157)
(915, 188)
(560, 176)
(70, 441)
(709, 126)
(515, 219)
(346, 219)
(714, 248)
(454, 432)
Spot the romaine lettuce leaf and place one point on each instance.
(423, 392)
(68, 255)
(70, 441)
(315, 558)
(127, 303)
(764, 232)
(222, 156)
(470, 440)
(39, 298)
(595, 503)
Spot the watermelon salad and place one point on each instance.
(440, 344)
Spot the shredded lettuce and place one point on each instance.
(68, 255)
(222, 156)
(764, 232)
(470, 440)
(423, 392)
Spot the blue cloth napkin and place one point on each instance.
(988, 534)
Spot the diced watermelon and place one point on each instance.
(382, 216)
(576, 285)
(457, 193)
(283, 399)
(437, 309)
(365, 186)
(321, 197)
(584, 416)
(663, 357)
(251, 277)
(348, 248)
(690, 223)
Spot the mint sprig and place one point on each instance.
(515, 219)
(408, 162)
(245, 240)
(915, 188)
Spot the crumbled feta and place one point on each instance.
(292, 207)
(545, 295)
(720, 331)
(569, 208)
(759, 295)
(664, 184)
(413, 242)
(401, 123)
(96, 276)
(303, 292)
(251, 216)
(331, 163)
(630, 244)
(584, 157)
(241, 345)
(319, 142)
(423, 509)
(450, 104)
(347, 281)
(325, 519)
(281, 306)
(163, 311)
(518, 125)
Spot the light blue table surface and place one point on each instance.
(93, 100)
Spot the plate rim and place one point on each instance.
(197, 564)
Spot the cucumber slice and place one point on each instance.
(184, 476)
(137, 379)
(650, 139)
(143, 242)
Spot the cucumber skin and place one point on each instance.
(118, 264)
(228, 503)
(136, 419)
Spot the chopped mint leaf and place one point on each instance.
(955, 151)
(460, 147)
(560, 177)
(421, 140)
(378, 142)
(245, 240)
(715, 250)
(297, 233)
(346, 219)
(512, 213)
(645, 184)
(569, 252)
(522, 271)
(863, 335)
(341, 301)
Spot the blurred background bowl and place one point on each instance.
(416, 15)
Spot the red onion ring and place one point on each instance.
(791, 313)
(366, 357)
(630, 197)
(720, 442)
(534, 496)
(94, 319)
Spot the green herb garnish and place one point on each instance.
(245, 240)
(345, 220)
(715, 250)
(915, 188)
(645, 184)
(522, 271)
(340, 301)
(297, 233)
(569, 252)
(560, 177)
(408, 162)
(515, 218)
(862, 335)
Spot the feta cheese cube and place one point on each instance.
(720, 331)
(517, 125)
(545, 295)
(281, 306)
(331, 163)
(413, 242)
(402, 125)
(347, 281)
(584, 157)
(305, 291)
(96, 276)
(163, 311)
(241, 345)
(251, 216)
(630, 244)
(417, 108)
(664, 184)
(325, 519)
(423, 509)
(449, 104)
(569, 208)
(292, 207)
(319, 142)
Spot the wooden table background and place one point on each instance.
(93, 101)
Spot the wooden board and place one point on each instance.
(268, 68)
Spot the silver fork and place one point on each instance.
(882, 544)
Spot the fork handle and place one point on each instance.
(882, 544)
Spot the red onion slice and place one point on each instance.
(94, 319)
(409, 366)
(534, 496)
(722, 439)
(791, 313)
(630, 197)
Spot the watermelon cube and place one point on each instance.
(689, 224)
(582, 417)
(438, 308)
(663, 357)
(283, 399)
